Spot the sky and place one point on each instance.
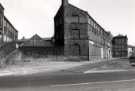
(36, 16)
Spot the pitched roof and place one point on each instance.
(37, 41)
(120, 36)
(1, 6)
(82, 11)
(36, 37)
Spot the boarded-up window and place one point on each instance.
(75, 34)
(75, 18)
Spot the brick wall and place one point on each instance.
(75, 32)
(5, 50)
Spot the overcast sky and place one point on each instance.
(36, 16)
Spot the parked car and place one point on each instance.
(132, 60)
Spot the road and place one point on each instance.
(69, 80)
(104, 86)
(74, 82)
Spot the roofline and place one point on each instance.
(118, 36)
(78, 8)
(5, 18)
(1, 6)
(98, 24)
(108, 32)
(57, 11)
(91, 18)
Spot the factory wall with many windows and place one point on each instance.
(99, 40)
(7, 31)
(120, 46)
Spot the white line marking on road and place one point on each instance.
(90, 83)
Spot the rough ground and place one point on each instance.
(111, 66)
(37, 66)
(17, 65)
(44, 65)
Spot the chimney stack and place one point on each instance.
(64, 2)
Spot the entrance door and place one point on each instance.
(76, 50)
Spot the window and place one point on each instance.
(89, 21)
(0, 20)
(90, 28)
(75, 33)
(5, 30)
(92, 23)
(76, 18)
(96, 27)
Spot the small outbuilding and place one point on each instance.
(37, 46)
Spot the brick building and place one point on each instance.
(7, 31)
(120, 46)
(131, 50)
(7, 34)
(39, 47)
(79, 34)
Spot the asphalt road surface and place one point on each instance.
(74, 82)
(104, 86)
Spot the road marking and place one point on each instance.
(104, 71)
(90, 83)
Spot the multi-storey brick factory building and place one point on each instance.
(7, 31)
(120, 46)
(79, 34)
